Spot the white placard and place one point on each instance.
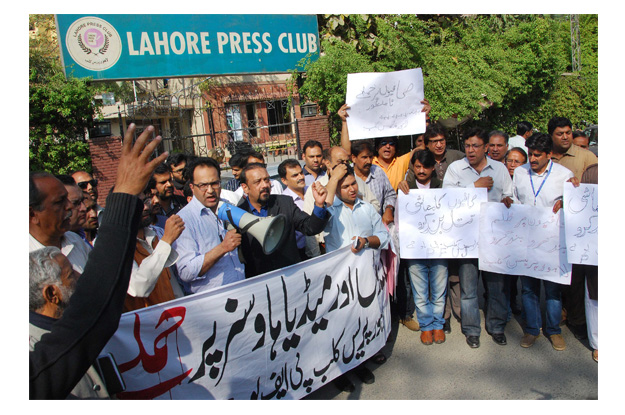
(280, 335)
(385, 104)
(439, 223)
(581, 223)
(523, 240)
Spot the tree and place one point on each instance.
(60, 109)
(494, 70)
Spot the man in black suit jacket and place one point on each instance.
(259, 201)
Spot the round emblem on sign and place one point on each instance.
(93, 43)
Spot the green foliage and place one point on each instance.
(60, 110)
(495, 70)
(326, 80)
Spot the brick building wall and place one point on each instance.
(314, 128)
(105, 154)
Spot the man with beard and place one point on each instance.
(151, 280)
(52, 281)
(373, 177)
(50, 213)
(169, 203)
(177, 162)
(260, 202)
(91, 224)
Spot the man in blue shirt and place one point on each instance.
(208, 255)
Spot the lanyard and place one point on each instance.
(542, 184)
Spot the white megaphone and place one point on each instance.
(269, 231)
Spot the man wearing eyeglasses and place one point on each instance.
(50, 213)
(207, 253)
(477, 170)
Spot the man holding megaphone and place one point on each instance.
(208, 255)
(259, 201)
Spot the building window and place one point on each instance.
(252, 123)
(279, 117)
(233, 117)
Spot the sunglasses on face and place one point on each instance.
(83, 185)
(392, 143)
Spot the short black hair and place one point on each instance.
(425, 157)
(349, 172)
(162, 169)
(186, 190)
(579, 133)
(434, 130)
(256, 155)
(541, 142)
(238, 160)
(250, 166)
(200, 161)
(557, 122)
(291, 163)
(523, 127)
(66, 179)
(175, 159)
(310, 144)
(499, 133)
(358, 146)
(518, 150)
(476, 132)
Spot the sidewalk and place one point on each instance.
(453, 371)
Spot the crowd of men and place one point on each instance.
(342, 196)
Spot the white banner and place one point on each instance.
(385, 104)
(523, 240)
(439, 223)
(581, 223)
(280, 335)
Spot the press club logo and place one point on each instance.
(93, 43)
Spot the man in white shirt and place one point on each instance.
(540, 183)
(50, 213)
(523, 132)
(477, 170)
(152, 280)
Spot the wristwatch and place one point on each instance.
(366, 243)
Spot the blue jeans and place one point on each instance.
(496, 306)
(530, 294)
(428, 278)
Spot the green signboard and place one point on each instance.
(107, 47)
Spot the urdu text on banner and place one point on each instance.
(523, 240)
(385, 104)
(439, 223)
(581, 223)
(280, 335)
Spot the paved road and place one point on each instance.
(452, 370)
